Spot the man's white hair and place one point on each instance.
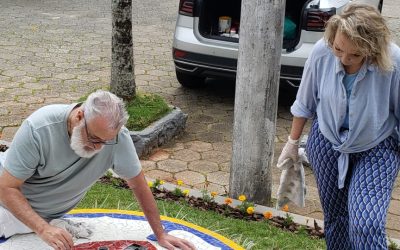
(105, 104)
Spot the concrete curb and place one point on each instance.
(155, 135)
(160, 132)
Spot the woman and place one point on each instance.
(350, 87)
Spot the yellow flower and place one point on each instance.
(250, 210)
(268, 215)
(242, 197)
(228, 201)
(179, 182)
(213, 194)
(150, 183)
(162, 182)
(186, 192)
(285, 208)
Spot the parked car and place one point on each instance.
(201, 49)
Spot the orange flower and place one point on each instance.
(228, 201)
(250, 210)
(242, 197)
(268, 215)
(285, 208)
(213, 194)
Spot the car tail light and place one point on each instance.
(315, 19)
(186, 7)
(179, 53)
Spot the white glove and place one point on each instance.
(289, 154)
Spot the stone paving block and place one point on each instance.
(32, 99)
(3, 111)
(186, 155)
(203, 118)
(9, 85)
(172, 166)
(10, 120)
(221, 127)
(19, 92)
(396, 191)
(225, 167)
(190, 178)
(222, 146)
(8, 133)
(161, 175)
(210, 136)
(173, 146)
(193, 127)
(203, 166)
(219, 177)
(55, 100)
(186, 137)
(159, 155)
(394, 224)
(394, 207)
(65, 76)
(216, 156)
(88, 77)
(23, 79)
(148, 165)
(199, 146)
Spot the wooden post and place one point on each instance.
(256, 99)
(122, 69)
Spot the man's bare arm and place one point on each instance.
(146, 200)
(13, 199)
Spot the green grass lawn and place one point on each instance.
(249, 234)
(145, 109)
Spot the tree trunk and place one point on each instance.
(256, 99)
(122, 70)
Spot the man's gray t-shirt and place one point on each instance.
(56, 178)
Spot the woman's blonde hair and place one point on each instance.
(367, 29)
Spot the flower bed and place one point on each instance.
(244, 211)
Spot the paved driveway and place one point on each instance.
(55, 51)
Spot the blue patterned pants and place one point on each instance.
(354, 216)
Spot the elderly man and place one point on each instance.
(57, 154)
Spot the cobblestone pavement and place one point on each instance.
(54, 51)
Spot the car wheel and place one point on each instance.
(189, 81)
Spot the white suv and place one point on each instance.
(200, 50)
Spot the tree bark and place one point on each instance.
(256, 99)
(122, 70)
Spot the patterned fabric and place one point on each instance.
(354, 216)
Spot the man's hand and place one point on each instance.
(170, 242)
(56, 237)
(290, 153)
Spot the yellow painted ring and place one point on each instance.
(219, 237)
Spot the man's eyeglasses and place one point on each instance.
(98, 141)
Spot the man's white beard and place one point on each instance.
(78, 145)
